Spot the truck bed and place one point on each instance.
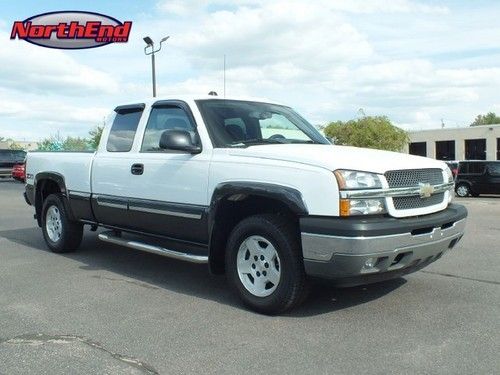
(74, 166)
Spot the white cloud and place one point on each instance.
(49, 71)
(277, 32)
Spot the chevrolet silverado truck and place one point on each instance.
(253, 190)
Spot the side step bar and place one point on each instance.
(111, 238)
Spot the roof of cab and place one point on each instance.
(189, 98)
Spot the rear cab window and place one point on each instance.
(122, 133)
(18, 156)
(494, 169)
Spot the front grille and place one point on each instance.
(413, 177)
(409, 203)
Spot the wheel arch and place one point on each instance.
(233, 201)
(46, 183)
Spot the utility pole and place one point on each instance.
(150, 50)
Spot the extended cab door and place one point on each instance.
(111, 167)
(165, 190)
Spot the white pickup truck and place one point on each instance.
(251, 189)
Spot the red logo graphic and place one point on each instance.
(71, 30)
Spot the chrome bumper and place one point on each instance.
(352, 260)
(322, 247)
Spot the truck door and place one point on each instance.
(111, 168)
(165, 190)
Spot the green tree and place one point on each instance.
(368, 131)
(95, 137)
(487, 119)
(16, 146)
(75, 144)
(53, 143)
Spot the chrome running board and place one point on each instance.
(111, 238)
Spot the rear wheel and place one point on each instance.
(463, 190)
(264, 264)
(60, 233)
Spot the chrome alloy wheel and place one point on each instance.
(53, 223)
(462, 191)
(258, 266)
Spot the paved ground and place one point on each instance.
(106, 309)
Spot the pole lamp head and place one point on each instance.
(148, 40)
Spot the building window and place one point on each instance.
(445, 150)
(475, 149)
(418, 148)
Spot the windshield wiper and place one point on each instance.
(257, 141)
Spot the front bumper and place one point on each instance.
(353, 251)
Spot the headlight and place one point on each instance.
(355, 180)
(352, 207)
(450, 174)
(349, 180)
(451, 192)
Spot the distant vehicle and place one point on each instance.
(453, 165)
(9, 158)
(19, 172)
(478, 177)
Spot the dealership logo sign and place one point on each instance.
(71, 30)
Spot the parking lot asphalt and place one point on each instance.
(106, 309)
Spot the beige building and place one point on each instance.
(470, 143)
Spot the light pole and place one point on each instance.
(150, 50)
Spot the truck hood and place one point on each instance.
(338, 157)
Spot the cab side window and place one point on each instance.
(165, 118)
(122, 133)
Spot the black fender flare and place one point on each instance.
(38, 184)
(238, 190)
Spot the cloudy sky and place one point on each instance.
(415, 61)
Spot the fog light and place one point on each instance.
(370, 263)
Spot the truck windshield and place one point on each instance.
(235, 123)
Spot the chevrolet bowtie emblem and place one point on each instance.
(426, 190)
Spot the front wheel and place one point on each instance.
(463, 190)
(264, 263)
(60, 233)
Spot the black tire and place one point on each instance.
(463, 190)
(71, 232)
(284, 236)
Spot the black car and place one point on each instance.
(478, 177)
(8, 158)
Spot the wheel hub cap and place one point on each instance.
(462, 191)
(53, 223)
(259, 266)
